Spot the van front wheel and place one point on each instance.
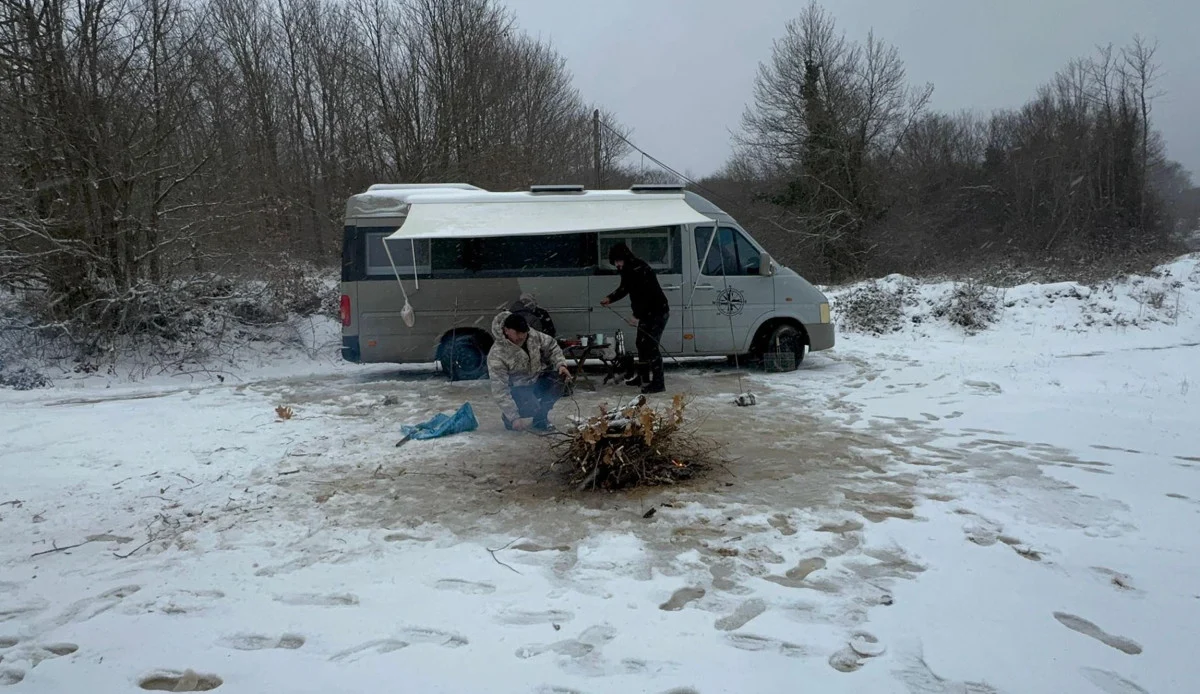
(463, 358)
(784, 349)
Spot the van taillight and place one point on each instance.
(345, 310)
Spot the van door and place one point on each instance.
(662, 248)
(728, 296)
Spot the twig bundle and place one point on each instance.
(633, 446)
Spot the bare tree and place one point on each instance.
(841, 165)
(830, 114)
(146, 143)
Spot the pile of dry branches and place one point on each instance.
(633, 446)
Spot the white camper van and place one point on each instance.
(457, 255)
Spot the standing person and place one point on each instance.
(527, 370)
(650, 313)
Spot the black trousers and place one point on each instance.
(537, 400)
(649, 334)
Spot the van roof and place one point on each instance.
(456, 212)
(396, 199)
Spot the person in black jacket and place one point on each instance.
(537, 317)
(650, 312)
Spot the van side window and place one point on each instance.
(402, 253)
(651, 245)
(749, 259)
(514, 254)
(730, 254)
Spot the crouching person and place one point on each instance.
(528, 373)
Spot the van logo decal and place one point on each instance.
(731, 302)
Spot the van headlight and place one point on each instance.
(825, 312)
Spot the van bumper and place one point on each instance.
(350, 349)
(820, 336)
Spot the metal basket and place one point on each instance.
(779, 360)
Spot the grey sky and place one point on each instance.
(680, 72)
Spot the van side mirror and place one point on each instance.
(765, 266)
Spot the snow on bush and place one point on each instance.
(23, 378)
(969, 305)
(204, 322)
(896, 303)
(876, 307)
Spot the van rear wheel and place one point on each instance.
(463, 358)
(784, 349)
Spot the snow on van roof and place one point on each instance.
(391, 199)
(472, 214)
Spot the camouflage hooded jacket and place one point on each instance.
(510, 365)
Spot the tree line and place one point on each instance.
(844, 167)
(143, 141)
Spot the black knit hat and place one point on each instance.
(517, 323)
(619, 251)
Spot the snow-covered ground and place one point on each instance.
(922, 511)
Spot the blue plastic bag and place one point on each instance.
(441, 425)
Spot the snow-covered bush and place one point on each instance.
(23, 378)
(169, 326)
(970, 305)
(874, 308)
(303, 290)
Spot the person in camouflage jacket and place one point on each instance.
(527, 371)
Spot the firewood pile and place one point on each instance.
(633, 446)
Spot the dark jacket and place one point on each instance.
(537, 317)
(646, 297)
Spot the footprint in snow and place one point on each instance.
(11, 612)
(526, 618)
(745, 612)
(175, 681)
(680, 598)
(795, 576)
(87, 608)
(590, 640)
(1088, 628)
(405, 537)
(842, 528)
(258, 642)
(781, 523)
(35, 653)
(458, 585)
(534, 547)
(378, 646)
(1023, 550)
(1110, 682)
(851, 657)
(314, 599)
(406, 638)
(752, 642)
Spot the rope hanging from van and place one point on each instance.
(406, 313)
(732, 333)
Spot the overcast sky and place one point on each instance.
(681, 72)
